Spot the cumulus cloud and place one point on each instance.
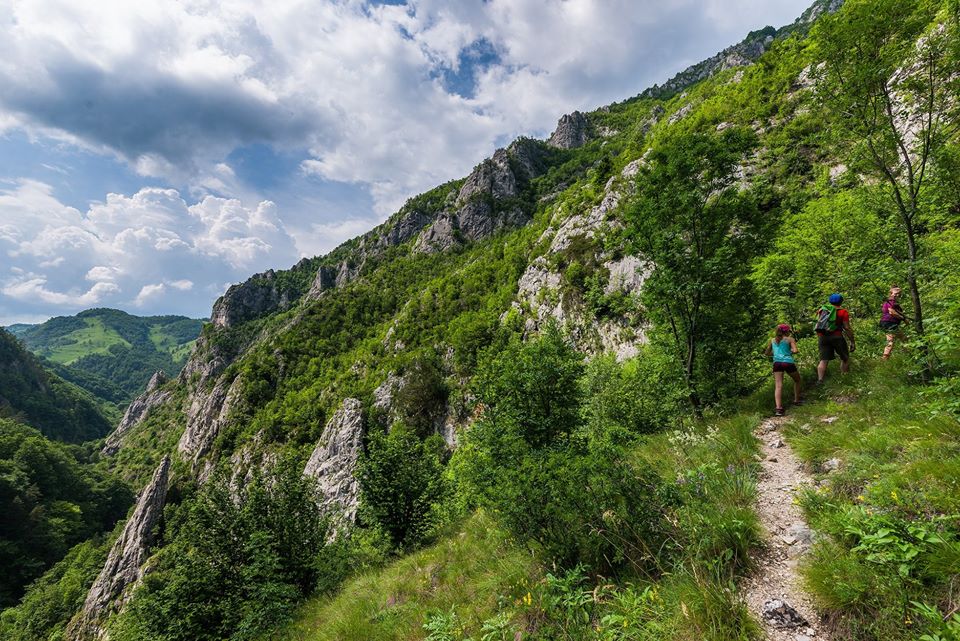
(174, 86)
(151, 250)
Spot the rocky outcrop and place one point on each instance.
(207, 414)
(137, 411)
(334, 460)
(251, 299)
(124, 566)
(325, 279)
(540, 295)
(573, 130)
(481, 207)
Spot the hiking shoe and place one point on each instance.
(778, 412)
(798, 403)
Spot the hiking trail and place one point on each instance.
(774, 593)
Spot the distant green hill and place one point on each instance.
(30, 393)
(111, 353)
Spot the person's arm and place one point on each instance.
(848, 331)
(793, 346)
(768, 351)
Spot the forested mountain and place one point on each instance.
(110, 353)
(524, 406)
(51, 499)
(30, 393)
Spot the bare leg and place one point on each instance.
(845, 366)
(778, 389)
(796, 386)
(822, 370)
(889, 348)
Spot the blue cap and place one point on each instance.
(836, 299)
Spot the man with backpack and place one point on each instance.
(833, 329)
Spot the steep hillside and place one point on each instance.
(57, 408)
(557, 342)
(51, 499)
(110, 353)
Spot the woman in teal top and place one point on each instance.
(782, 348)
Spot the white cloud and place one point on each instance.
(151, 250)
(175, 86)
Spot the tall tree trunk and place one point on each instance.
(912, 282)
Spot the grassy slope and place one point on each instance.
(481, 575)
(900, 465)
(110, 353)
(467, 571)
(95, 338)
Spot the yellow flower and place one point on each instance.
(861, 499)
(894, 496)
(528, 599)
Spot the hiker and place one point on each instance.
(782, 348)
(891, 315)
(833, 329)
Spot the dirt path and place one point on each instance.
(774, 593)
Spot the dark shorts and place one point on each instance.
(890, 326)
(789, 368)
(832, 346)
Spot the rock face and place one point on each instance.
(334, 460)
(206, 416)
(124, 565)
(137, 411)
(540, 298)
(573, 130)
(480, 208)
(251, 299)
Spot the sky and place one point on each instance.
(152, 152)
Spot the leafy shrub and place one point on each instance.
(401, 483)
(237, 563)
(527, 459)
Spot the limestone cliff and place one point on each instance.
(154, 396)
(334, 459)
(124, 565)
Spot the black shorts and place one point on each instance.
(832, 346)
(789, 368)
(890, 326)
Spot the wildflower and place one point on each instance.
(528, 599)
(861, 498)
(894, 496)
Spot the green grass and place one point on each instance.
(479, 573)
(180, 353)
(468, 571)
(889, 517)
(95, 338)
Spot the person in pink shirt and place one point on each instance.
(891, 316)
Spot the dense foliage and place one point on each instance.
(239, 560)
(110, 353)
(44, 400)
(546, 475)
(619, 495)
(50, 500)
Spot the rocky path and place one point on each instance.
(774, 593)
